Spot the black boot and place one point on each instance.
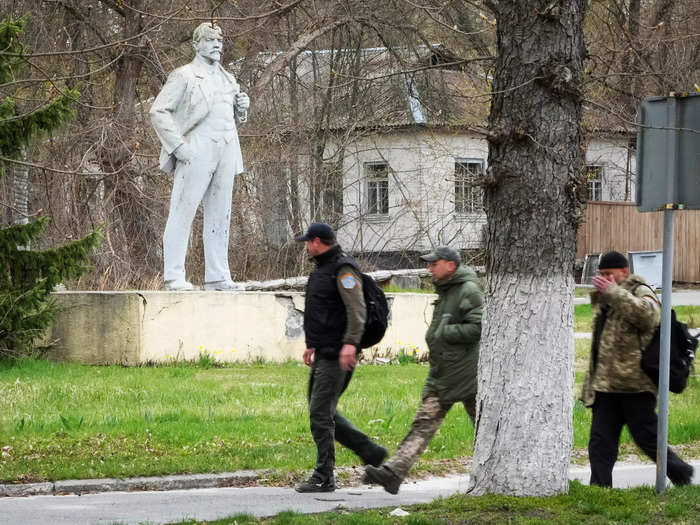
(316, 484)
(685, 478)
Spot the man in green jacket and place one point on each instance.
(626, 315)
(453, 341)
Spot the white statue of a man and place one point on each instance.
(195, 117)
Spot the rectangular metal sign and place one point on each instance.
(668, 146)
(648, 264)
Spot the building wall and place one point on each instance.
(421, 193)
(422, 188)
(617, 160)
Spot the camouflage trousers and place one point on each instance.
(426, 422)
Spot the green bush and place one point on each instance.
(27, 277)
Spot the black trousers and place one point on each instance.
(326, 383)
(636, 410)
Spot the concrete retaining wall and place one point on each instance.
(137, 327)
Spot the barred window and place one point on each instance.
(594, 180)
(469, 196)
(377, 176)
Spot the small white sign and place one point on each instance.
(648, 264)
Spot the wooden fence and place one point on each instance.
(619, 226)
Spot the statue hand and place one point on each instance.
(183, 153)
(242, 101)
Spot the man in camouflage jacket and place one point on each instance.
(626, 314)
(453, 339)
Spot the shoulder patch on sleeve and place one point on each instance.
(348, 281)
(651, 300)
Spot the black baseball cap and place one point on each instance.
(321, 230)
(443, 252)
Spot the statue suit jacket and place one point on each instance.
(184, 101)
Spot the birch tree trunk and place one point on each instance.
(533, 191)
(20, 190)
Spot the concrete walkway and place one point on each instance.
(217, 503)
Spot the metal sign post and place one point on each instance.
(664, 353)
(668, 179)
(666, 299)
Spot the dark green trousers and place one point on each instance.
(326, 383)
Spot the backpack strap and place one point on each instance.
(654, 296)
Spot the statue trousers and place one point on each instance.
(207, 179)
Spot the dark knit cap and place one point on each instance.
(612, 259)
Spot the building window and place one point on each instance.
(377, 175)
(469, 196)
(594, 180)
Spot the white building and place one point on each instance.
(407, 165)
(412, 188)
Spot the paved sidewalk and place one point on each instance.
(216, 503)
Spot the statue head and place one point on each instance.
(207, 41)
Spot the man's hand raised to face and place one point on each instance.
(602, 283)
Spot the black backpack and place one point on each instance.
(377, 312)
(683, 346)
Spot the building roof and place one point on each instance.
(379, 88)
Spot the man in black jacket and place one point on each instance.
(334, 321)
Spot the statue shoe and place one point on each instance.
(226, 285)
(178, 285)
(382, 476)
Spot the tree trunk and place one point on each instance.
(533, 190)
(20, 190)
(632, 58)
(131, 226)
(294, 192)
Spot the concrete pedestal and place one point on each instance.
(138, 327)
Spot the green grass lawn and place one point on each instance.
(582, 505)
(582, 291)
(67, 421)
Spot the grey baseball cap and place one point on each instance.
(443, 252)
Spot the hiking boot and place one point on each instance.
(316, 484)
(382, 476)
(376, 458)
